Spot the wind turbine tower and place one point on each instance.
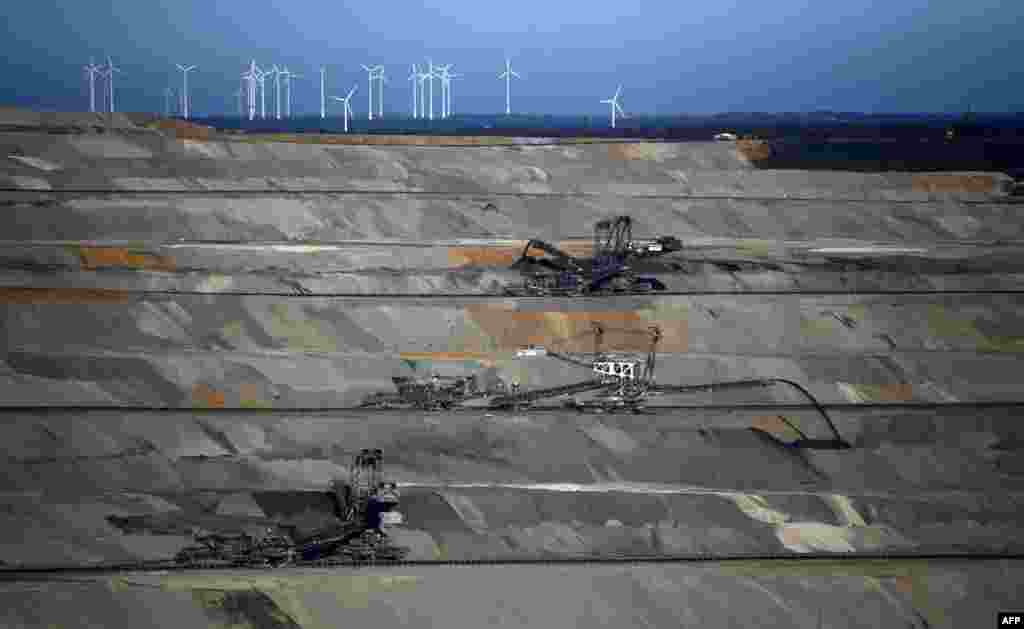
(251, 77)
(184, 89)
(261, 76)
(92, 70)
(443, 77)
(431, 75)
(323, 102)
(381, 80)
(371, 76)
(288, 76)
(421, 78)
(276, 72)
(348, 109)
(507, 75)
(110, 81)
(414, 77)
(614, 102)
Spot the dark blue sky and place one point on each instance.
(697, 56)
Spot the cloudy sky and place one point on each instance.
(680, 56)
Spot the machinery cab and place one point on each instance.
(617, 371)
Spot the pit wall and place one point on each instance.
(220, 350)
(334, 217)
(151, 161)
(479, 485)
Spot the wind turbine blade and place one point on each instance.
(620, 109)
(516, 74)
(616, 97)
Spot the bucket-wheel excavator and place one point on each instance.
(607, 271)
(434, 394)
(626, 384)
(618, 382)
(363, 504)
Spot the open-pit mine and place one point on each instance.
(299, 384)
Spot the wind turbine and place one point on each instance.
(110, 80)
(414, 77)
(381, 80)
(251, 76)
(276, 72)
(92, 69)
(370, 77)
(507, 75)
(421, 78)
(323, 102)
(614, 102)
(431, 75)
(288, 76)
(443, 77)
(348, 109)
(184, 90)
(261, 76)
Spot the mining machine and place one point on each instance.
(617, 382)
(363, 505)
(608, 271)
(436, 393)
(624, 383)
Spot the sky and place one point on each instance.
(671, 57)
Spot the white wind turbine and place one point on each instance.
(614, 102)
(414, 77)
(110, 80)
(381, 80)
(507, 75)
(348, 109)
(184, 90)
(252, 76)
(288, 76)
(430, 76)
(276, 73)
(261, 76)
(371, 75)
(421, 78)
(442, 75)
(323, 101)
(92, 70)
